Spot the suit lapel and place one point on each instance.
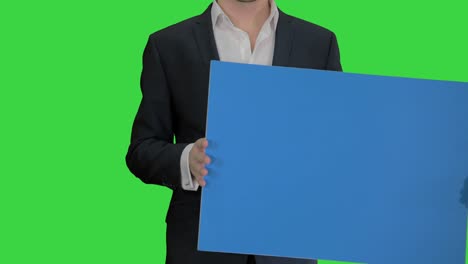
(283, 41)
(204, 36)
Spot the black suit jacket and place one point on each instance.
(174, 84)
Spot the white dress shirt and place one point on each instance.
(233, 45)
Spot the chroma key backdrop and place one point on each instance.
(69, 90)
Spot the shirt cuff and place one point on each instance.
(188, 183)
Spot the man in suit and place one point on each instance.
(174, 84)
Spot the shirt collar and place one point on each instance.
(217, 14)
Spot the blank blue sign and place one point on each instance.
(338, 166)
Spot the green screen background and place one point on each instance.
(69, 89)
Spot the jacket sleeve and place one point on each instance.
(334, 63)
(152, 156)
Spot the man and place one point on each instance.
(174, 85)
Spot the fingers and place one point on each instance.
(198, 160)
(200, 178)
(199, 172)
(201, 144)
(201, 157)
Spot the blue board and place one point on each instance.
(338, 166)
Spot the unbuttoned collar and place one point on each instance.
(218, 15)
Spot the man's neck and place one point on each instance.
(248, 16)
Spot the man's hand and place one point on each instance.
(198, 160)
